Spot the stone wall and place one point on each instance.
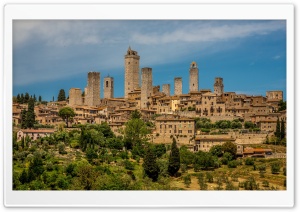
(218, 86)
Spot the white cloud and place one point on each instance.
(276, 57)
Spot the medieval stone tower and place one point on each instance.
(194, 77)
(132, 64)
(75, 96)
(146, 89)
(92, 95)
(177, 85)
(108, 87)
(218, 86)
(166, 89)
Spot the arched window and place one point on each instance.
(106, 83)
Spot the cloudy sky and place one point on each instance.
(53, 55)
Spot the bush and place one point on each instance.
(209, 177)
(187, 180)
(233, 164)
(265, 183)
(128, 165)
(61, 148)
(249, 161)
(275, 168)
(250, 184)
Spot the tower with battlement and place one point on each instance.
(177, 85)
(147, 87)
(108, 87)
(132, 64)
(92, 95)
(218, 86)
(194, 77)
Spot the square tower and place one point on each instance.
(92, 97)
(108, 87)
(132, 64)
(147, 88)
(75, 96)
(166, 89)
(194, 77)
(177, 85)
(218, 86)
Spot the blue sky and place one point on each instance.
(48, 56)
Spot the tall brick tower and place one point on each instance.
(132, 64)
(194, 77)
(92, 96)
(218, 86)
(147, 87)
(108, 87)
(166, 89)
(177, 85)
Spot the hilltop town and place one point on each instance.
(171, 115)
(150, 139)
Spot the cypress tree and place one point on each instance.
(23, 119)
(150, 166)
(30, 117)
(40, 98)
(26, 98)
(174, 160)
(18, 98)
(277, 132)
(282, 130)
(61, 95)
(34, 97)
(22, 99)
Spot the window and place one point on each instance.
(106, 83)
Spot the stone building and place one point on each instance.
(92, 95)
(108, 87)
(274, 95)
(132, 64)
(147, 88)
(194, 77)
(177, 85)
(75, 96)
(218, 86)
(168, 125)
(204, 143)
(166, 89)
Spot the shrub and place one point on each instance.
(250, 184)
(249, 161)
(275, 168)
(209, 177)
(265, 183)
(233, 164)
(128, 165)
(187, 180)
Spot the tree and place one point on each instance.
(216, 150)
(187, 180)
(22, 99)
(30, 116)
(26, 97)
(23, 119)
(135, 114)
(281, 105)
(174, 159)
(18, 98)
(203, 160)
(282, 130)
(249, 125)
(230, 147)
(159, 150)
(186, 156)
(135, 133)
(277, 131)
(61, 95)
(150, 165)
(66, 113)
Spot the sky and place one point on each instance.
(49, 55)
